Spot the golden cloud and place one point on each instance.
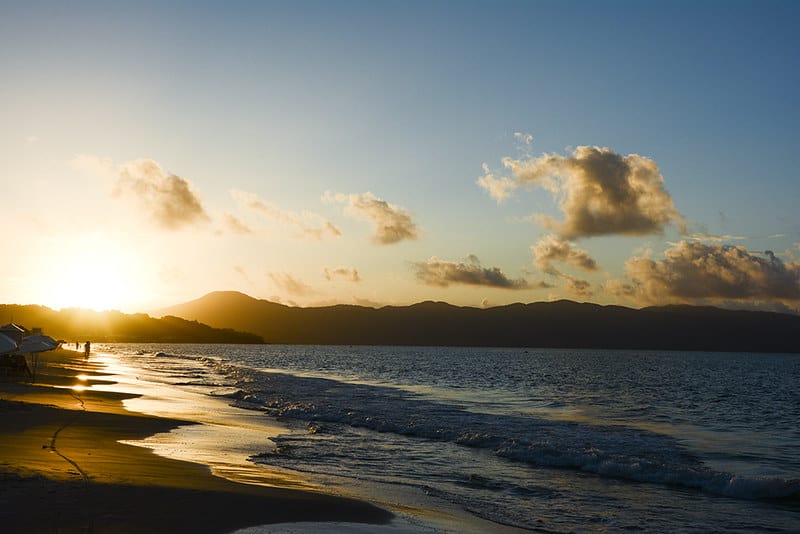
(342, 273)
(235, 225)
(695, 272)
(576, 286)
(167, 197)
(436, 272)
(307, 224)
(391, 224)
(291, 285)
(552, 249)
(599, 192)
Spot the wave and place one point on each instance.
(605, 450)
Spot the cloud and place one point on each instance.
(235, 225)
(243, 273)
(307, 224)
(391, 224)
(342, 273)
(291, 285)
(578, 287)
(167, 197)
(524, 138)
(552, 249)
(498, 188)
(711, 238)
(436, 272)
(694, 272)
(599, 192)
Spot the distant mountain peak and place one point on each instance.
(562, 323)
(227, 294)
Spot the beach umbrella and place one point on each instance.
(14, 331)
(7, 344)
(37, 343)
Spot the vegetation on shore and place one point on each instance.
(75, 324)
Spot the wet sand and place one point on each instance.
(62, 467)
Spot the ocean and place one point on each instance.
(533, 439)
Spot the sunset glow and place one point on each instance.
(371, 153)
(92, 287)
(104, 278)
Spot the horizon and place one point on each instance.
(481, 155)
(158, 313)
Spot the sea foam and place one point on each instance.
(606, 450)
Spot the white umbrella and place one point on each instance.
(37, 343)
(7, 344)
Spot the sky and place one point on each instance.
(386, 153)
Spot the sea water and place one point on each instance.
(540, 439)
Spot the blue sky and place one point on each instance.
(407, 101)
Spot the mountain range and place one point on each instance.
(563, 324)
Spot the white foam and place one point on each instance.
(396, 527)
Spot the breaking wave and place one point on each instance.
(616, 451)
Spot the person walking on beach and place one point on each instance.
(87, 348)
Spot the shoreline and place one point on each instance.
(63, 467)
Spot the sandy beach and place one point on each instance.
(63, 468)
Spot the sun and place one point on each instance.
(106, 280)
(90, 286)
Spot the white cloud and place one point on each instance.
(599, 192)
(711, 238)
(524, 138)
(498, 188)
(391, 224)
(306, 224)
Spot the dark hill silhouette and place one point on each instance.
(113, 326)
(563, 324)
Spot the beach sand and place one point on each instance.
(63, 468)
